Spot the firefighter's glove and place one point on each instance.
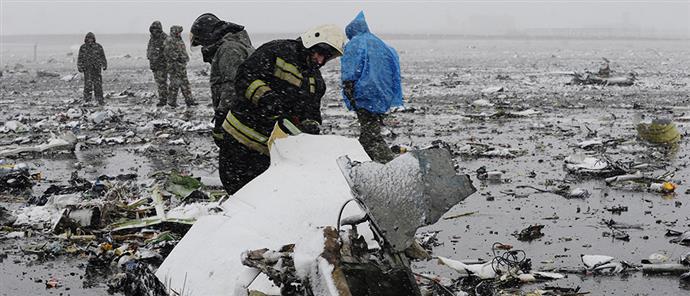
(311, 127)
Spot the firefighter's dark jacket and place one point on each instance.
(275, 83)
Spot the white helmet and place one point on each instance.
(327, 34)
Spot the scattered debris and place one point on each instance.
(69, 77)
(617, 209)
(617, 234)
(659, 131)
(562, 190)
(460, 215)
(655, 258)
(530, 233)
(16, 178)
(52, 283)
(6, 217)
(65, 142)
(683, 239)
(14, 126)
(602, 77)
(485, 150)
(41, 74)
(600, 264)
(493, 89)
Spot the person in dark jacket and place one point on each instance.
(90, 61)
(370, 71)
(157, 62)
(177, 58)
(279, 84)
(225, 46)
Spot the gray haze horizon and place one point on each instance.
(627, 18)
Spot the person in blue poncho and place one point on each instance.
(371, 85)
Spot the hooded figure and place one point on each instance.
(370, 72)
(154, 51)
(176, 56)
(90, 61)
(373, 66)
(157, 62)
(225, 46)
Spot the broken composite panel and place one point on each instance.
(284, 216)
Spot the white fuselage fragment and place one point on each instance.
(302, 190)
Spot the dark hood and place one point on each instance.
(209, 51)
(357, 26)
(208, 29)
(156, 28)
(175, 31)
(241, 37)
(89, 36)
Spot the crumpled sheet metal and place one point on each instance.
(411, 191)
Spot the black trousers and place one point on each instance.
(239, 164)
(93, 82)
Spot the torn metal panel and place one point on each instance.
(420, 186)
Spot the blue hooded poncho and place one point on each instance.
(373, 66)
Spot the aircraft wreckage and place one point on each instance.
(322, 220)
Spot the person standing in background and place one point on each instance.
(90, 61)
(157, 63)
(177, 58)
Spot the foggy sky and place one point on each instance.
(415, 17)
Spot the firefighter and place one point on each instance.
(280, 83)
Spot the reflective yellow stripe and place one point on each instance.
(288, 67)
(254, 135)
(263, 149)
(287, 72)
(287, 77)
(245, 135)
(291, 128)
(255, 90)
(259, 93)
(312, 85)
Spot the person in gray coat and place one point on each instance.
(225, 46)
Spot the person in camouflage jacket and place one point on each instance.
(225, 46)
(177, 58)
(157, 63)
(90, 61)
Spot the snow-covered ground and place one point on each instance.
(441, 80)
